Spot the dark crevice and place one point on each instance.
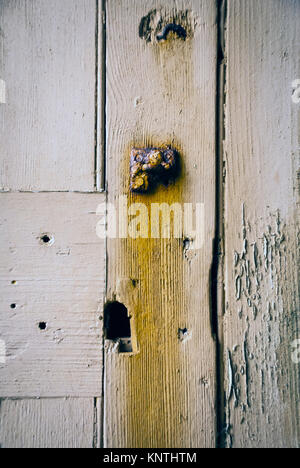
(96, 137)
(102, 181)
(216, 273)
(100, 97)
(96, 427)
(96, 96)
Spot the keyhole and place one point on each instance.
(117, 325)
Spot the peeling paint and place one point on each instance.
(261, 287)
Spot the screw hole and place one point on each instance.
(13, 282)
(42, 325)
(13, 306)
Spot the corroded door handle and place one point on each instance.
(149, 166)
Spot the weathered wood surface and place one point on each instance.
(47, 423)
(47, 126)
(261, 224)
(157, 94)
(60, 283)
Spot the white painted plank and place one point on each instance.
(47, 126)
(160, 94)
(60, 283)
(47, 423)
(261, 224)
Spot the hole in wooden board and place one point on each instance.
(117, 326)
(184, 334)
(42, 325)
(46, 239)
(13, 306)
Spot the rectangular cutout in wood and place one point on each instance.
(117, 326)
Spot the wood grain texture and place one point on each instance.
(47, 423)
(60, 283)
(158, 94)
(261, 224)
(47, 126)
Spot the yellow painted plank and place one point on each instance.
(158, 93)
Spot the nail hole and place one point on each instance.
(13, 282)
(46, 239)
(42, 325)
(183, 334)
(117, 325)
(13, 306)
(186, 243)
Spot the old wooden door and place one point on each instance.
(214, 340)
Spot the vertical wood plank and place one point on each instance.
(47, 423)
(158, 94)
(47, 61)
(261, 224)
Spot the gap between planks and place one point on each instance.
(217, 268)
(100, 96)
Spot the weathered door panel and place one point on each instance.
(82, 82)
